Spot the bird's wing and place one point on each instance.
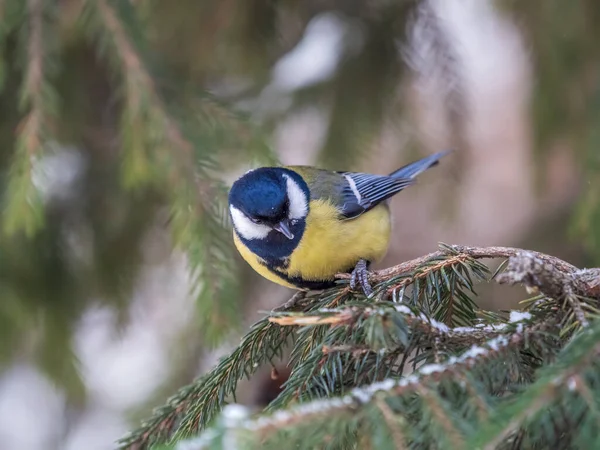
(361, 191)
(352, 193)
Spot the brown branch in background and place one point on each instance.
(136, 74)
(23, 209)
(30, 129)
(34, 76)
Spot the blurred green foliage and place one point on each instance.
(563, 40)
(128, 86)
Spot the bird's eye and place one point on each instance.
(255, 220)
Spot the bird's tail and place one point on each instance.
(415, 168)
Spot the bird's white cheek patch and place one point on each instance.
(298, 200)
(245, 227)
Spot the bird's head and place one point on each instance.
(269, 203)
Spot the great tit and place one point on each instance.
(299, 226)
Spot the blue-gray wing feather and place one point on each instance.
(362, 191)
(354, 193)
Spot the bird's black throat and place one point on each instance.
(276, 248)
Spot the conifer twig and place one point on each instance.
(575, 362)
(421, 381)
(551, 276)
(421, 323)
(187, 410)
(139, 84)
(345, 340)
(24, 209)
(531, 268)
(463, 253)
(198, 216)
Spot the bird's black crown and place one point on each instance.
(261, 194)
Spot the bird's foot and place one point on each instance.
(296, 298)
(360, 275)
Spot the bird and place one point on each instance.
(300, 226)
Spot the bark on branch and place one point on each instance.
(549, 276)
(552, 276)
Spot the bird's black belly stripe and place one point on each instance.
(278, 264)
(299, 282)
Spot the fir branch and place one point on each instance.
(9, 15)
(386, 312)
(577, 289)
(449, 434)
(574, 363)
(195, 405)
(345, 340)
(143, 105)
(230, 128)
(23, 210)
(319, 413)
(169, 156)
(361, 343)
(461, 253)
(591, 279)
(393, 423)
(549, 276)
(441, 284)
(555, 278)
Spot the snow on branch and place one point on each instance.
(564, 387)
(417, 322)
(530, 268)
(551, 276)
(427, 375)
(424, 315)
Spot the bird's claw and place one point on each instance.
(296, 298)
(360, 275)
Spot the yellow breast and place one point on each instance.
(330, 246)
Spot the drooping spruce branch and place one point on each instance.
(143, 107)
(422, 318)
(385, 410)
(23, 208)
(362, 402)
(195, 405)
(569, 385)
(159, 148)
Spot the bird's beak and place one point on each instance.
(284, 228)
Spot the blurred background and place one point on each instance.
(122, 123)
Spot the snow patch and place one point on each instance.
(518, 316)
